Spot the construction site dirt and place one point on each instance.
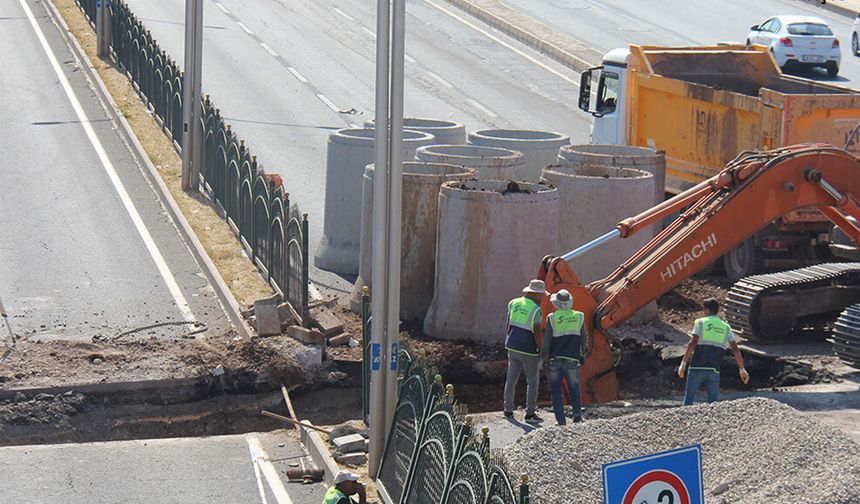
(55, 391)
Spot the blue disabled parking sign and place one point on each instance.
(670, 477)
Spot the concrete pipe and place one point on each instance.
(539, 148)
(349, 152)
(619, 156)
(446, 132)
(492, 237)
(489, 163)
(421, 184)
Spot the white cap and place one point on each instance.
(345, 476)
(562, 299)
(536, 287)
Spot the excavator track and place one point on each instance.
(846, 335)
(774, 306)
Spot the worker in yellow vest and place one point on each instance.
(523, 344)
(565, 347)
(345, 485)
(708, 343)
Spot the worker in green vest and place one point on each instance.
(565, 348)
(708, 343)
(523, 343)
(345, 485)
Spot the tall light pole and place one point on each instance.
(387, 198)
(192, 131)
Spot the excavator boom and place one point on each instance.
(751, 192)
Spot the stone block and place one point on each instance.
(305, 335)
(351, 459)
(326, 320)
(267, 321)
(340, 339)
(350, 443)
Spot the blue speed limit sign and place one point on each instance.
(670, 477)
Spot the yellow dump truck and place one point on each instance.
(703, 106)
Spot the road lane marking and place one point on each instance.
(261, 459)
(328, 103)
(151, 247)
(268, 49)
(297, 75)
(505, 44)
(369, 31)
(440, 79)
(223, 9)
(409, 58)
(257, 474)
(344, 14)
(478, 105)
(244, 28)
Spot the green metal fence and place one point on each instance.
(255, 204)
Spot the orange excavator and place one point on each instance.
(716, 215)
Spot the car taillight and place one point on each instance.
(836, 43)
(786, 42)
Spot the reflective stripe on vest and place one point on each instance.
(333, 496)
(711, 345)
(566, 334)
(522, 315)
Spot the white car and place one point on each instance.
(799, 41)
(855, 43)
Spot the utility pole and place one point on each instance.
(103, 28)
(192, 130)
(387, 198)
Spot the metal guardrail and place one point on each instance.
(254, 203)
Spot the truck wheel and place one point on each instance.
(743, 261)
(832, 70)
(855, 45)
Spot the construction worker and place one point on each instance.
(523, 344)
(345, 485)
(708, 343)
(565, 345)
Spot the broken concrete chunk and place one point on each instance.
(285, 314)
(326, 320)
(268, 323)
(306, 335)
(340, 339)
(351, 459)
(350, 443)
(347, 428)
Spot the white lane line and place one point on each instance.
(244, 28)
(502, 42)
(268, 49)
(369, 31)
(440, 79)
(261, 459)
(257, 473)
(478, 105)
(151, 247)
(328, 103)
(409, 58)
(223, 9)
(344, 14)
(297, 75)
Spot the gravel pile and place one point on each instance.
(754, 450)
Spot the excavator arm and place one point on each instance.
(717, 215)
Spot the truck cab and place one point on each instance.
(610, 116)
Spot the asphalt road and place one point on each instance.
(207, 470)
(86, 246)
(607, 24)
(280, 71)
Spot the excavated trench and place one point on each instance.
(231, 403)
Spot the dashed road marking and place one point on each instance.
(440, 79)
(344, 14)
(297, 75)
(409, 58)
(328, 103)
(268, 49)
(369, 31)
(244, 28)
(223, 9)
(478, 105)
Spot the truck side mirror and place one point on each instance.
(585, 91)
(754, 27)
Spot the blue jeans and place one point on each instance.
(695, 379)
(569, 369)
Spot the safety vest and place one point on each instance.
(522, 315)
(711, 345)
(566, 340)
(333, 496)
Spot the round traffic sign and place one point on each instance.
(657, 487)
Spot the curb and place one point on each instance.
(314, 443)
(228, 302)
(524, 36)
(838, 9)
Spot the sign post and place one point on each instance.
(670, 477)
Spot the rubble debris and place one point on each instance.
(754, 450)
(326, 320)
(340, 339)
(305, 335)
(350, 443)
(267, 320)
